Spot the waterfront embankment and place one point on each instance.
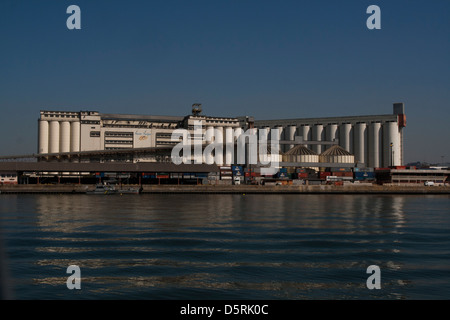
(239, 189)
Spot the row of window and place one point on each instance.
(118, 134)
(118, 142)
(60, 116)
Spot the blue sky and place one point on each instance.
(268, 59)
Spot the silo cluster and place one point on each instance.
(58, 134)
(375, 141)
(373, 144)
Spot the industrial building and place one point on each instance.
(90, 136)
(375, 141)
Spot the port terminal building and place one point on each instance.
(89, 146)
(90, 136)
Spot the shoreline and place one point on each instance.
(236, 189)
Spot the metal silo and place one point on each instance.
(300, 154)
(336, 154)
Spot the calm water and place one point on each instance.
(227, 246)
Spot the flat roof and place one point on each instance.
(104, 167)
(326, 120)
(113, 116)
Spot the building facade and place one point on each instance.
(375, 141)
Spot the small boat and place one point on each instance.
(129, 191)
(103, 189)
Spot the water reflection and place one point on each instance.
(269, 246)
(160, 213)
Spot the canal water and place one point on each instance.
(226, 246)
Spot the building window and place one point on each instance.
(95, 134)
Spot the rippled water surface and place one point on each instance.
(227, 246)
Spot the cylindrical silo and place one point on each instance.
(290, 135)
(75, 136)
(345, 136)
(263, 145)
(360, 133)
(64, 139)
(218, 140)
(43, 136)
(317, 136)
(54, 137)
(391, 144)
(277, 133)
(209, 138)
(229, 146)
(305, 132)
(374, 145)
(332, 131)
(237, 133)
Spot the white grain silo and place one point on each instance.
(360, 146)
(332, 131)
(375, 150)
(54, 137)
(290, 136)
(391, 144)
(317, 136)
(229, 146)
(209, 138)
(218, 141)
(43, 136)
(345, 136)
(305, 132)
(64, 139)
(75, 136)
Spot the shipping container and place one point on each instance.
(237, 168)
(202, 175)
(339, 169)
